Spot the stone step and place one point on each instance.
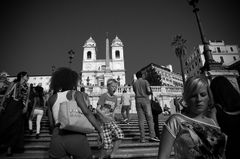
(129, 148)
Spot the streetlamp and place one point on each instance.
(118, 80)
(209, 61)
(71, 56)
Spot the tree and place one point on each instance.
(179, 45)
(153, 77)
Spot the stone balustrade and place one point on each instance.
(164, 94)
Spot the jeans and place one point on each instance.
(39, 114)
(144, 110)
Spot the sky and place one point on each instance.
(37, 34)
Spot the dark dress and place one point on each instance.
(156, 111)
(228, 123)
(12, 120)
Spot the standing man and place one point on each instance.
(142, 91)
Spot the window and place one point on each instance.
(218, 48)
(221, 59)
(89, 55)
(234, 58)
(231, 49)
(117, 54)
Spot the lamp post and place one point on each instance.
(71, 56)
(206, 50)
(118, 80)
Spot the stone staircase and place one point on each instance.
(129, 148)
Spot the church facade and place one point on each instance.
(96, 72)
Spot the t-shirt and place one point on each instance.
(125, 99)
(140, 87)
(108, 104)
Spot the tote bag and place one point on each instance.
(71, 117)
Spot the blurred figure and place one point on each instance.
(192, 134)
(177, 105)
(12, 120)
(227, 100)
(156, 111)
(126, 106)
(166, 110)
(142, 91)
(30, 104)
(37, 111)
(67, 144)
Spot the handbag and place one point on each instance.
(156, 108)
(71, 118)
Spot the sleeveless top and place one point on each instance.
(61, 97)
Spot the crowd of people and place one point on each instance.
(205, 127)
(19, 105)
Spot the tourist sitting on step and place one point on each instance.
(166, 110)
(105, 110)
(68, 144)
(37, 110)
(193, 134)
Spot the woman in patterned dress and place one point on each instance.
(193, 135)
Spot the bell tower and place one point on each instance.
(89, 54)
(117, 54)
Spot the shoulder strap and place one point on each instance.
(73, 93)
(13, 87)
(229, 113)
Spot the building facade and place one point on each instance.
(36, 80)
(96, 72)
(168, 77)
(225, 54)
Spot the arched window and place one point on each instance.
(89, 55)
(117, 54)
(221, 58)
